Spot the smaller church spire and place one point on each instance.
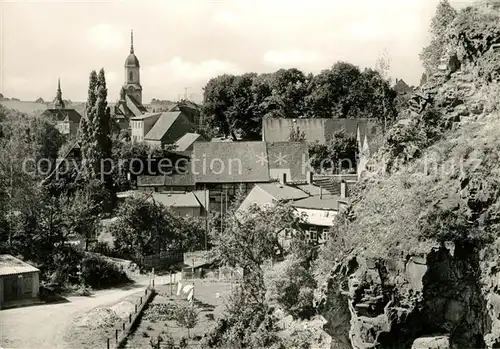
(131, 41)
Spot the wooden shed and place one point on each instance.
(19, 281)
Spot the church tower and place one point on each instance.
(132, 86)
(58, 101)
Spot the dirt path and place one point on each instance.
(44, 326)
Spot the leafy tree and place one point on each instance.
(289, 87)
(431, 54)
(145, 227)
(342, 150)
(217, 100)
(317, 154)
(290, 284)
(249, 242)
(187, 316)
(332, 91)
(142, 228)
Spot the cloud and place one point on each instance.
(179, 68)
(106, 37)
(290, 57)
(225, 17)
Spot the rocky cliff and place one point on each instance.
(419, 263)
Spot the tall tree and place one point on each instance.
(87, 131)
(333, 92)
(289, 87)
(431, 54)
(95, 133)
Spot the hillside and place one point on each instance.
(417, 254)
(33, 108)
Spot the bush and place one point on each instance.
(187, 316)
(291, 285)
(98, 273)
(183, 343)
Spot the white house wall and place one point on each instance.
(318, 217)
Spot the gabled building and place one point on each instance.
(168, 128)
(190, 109)
(67, 120)
(19, 282)
(366, 131)
(317, 206)
(186, 142)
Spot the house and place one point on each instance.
(171, 182)
(167, 128)
(67, 167)
(67, 120)
(366, 131)
(316, 205)
(190, 109)
(140, 126)
(185, 143)
(19, 281)
(190, 204)
(290, 158)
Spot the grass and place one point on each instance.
(210, 307)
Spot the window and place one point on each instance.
(313, 234)
(324, 234)
(131, 76)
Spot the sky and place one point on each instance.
(181, 44)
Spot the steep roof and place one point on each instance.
(282, 192)
(230, 162)
(134, 106)
(330, 202)
(10, 265)
(144, 116)
(174, 180)
(63, 114)
(176, 200)
(312, 189)
(161, 127)
(186, 141)
(293, 156)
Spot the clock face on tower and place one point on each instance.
(131, 89)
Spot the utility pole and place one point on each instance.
(206, 215)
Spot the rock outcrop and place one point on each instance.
(392, 303)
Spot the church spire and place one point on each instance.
(131, 41)
(58, 101)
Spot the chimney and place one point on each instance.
(310, 177)
(343, 189)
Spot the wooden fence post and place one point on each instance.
(108, 342)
